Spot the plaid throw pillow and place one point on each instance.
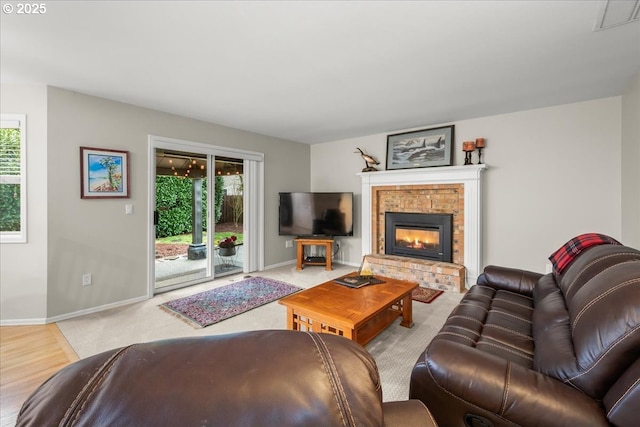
(563, 256)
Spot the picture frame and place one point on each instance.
(104, 173)
(421, 148)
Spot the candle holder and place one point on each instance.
(479, 145)
(468, 147)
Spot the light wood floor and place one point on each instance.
(28, 356)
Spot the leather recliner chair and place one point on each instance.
(258, 378)
(522, 348)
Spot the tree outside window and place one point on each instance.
(12, 179)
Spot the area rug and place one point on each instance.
(425, 295)
(212, 306)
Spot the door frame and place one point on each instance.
(253, 199)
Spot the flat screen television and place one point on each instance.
(316, 214)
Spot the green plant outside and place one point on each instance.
(218, 197)
(9, 207)
(186, 238)
(174, 204)
(9, 193)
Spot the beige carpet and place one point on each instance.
(395, 350)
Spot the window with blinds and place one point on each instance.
(13, 189)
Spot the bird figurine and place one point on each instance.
(368, 160)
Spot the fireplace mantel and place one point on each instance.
(470, 176)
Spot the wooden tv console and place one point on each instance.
(301, 242)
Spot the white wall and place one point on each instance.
(69, 236)
(23, 266)
(631, 165)
(553, 173)
(94, 235)
(334, 166)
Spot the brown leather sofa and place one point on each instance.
(258, 378)
(528, 349)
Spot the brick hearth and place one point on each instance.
(444, 276)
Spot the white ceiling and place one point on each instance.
(316, 71)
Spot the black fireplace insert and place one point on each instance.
(419, 235)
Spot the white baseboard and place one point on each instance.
(23, 322)
(95, 309)
(280, 264)
(352, 264)
(41, 321)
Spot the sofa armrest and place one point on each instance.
(456, 380)
(509, 279)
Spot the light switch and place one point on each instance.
(128, 209)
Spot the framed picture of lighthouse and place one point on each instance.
(104, 173)
(421, 148)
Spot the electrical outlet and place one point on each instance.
(86, 279)
(288, 244)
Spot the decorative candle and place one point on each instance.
(468, 146)
(480, 142)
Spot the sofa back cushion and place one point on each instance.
(599, 323)
(267, 378)
(554, 353)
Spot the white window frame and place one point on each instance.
(17, 121)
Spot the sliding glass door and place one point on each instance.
(181, 218)
(229, 241)
(200, 228)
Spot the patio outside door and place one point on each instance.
(181, 219)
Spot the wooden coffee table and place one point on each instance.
(358, 314)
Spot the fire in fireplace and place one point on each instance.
(419, 235)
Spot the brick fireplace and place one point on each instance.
(423, 198)
(453, 190)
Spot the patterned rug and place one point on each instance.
(209, 307)
(425, 295)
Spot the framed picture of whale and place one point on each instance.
(421, 148)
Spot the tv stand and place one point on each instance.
(313, 241)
